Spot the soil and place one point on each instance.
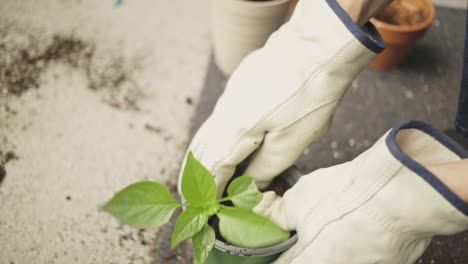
(2, 173)
(279, 186)
(7, 157)
(152, 128)
(22, 63)
(404, 13)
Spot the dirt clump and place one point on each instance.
(115, 79)
(153, 129)
(7, 157)
(2, 173)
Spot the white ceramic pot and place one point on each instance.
(240, 26)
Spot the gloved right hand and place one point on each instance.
(382, 207)
(283, 96)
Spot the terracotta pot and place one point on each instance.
(240, 26)
(293, 5)
(400, 38)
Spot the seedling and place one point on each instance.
(150, 204)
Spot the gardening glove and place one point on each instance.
(382, 207)
(282, 97)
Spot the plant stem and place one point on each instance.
(225, 199)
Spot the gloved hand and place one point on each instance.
(283, 96)
(382, 207)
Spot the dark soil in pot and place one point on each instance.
(404, 13)
(401, 24)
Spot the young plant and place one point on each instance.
(150, 205)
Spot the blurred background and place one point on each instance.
(95, 95)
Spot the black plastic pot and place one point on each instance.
(228, 254)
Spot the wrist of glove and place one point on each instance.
(382, 207)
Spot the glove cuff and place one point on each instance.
(337, 25)
(432, 206)
(367, 35)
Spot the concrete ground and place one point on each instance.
(94, 97)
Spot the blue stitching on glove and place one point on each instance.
(372, 41)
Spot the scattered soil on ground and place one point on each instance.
(116, 80)
(152, 128)
(2, 173)
(404, 13)
(141, 238)
(6, 157)
(24, 57)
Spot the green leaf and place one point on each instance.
(143, 205)
(212, 208)
(202, 243)
(190, 222)
(198, 185)
(244, 228)
(244, 192)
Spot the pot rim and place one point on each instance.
(291, 176)
(379, 24)
(259, 3)
(256, 252)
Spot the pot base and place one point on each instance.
(217, 256)
(390, 57)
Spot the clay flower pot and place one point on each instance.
(240, 26)
(401, 24)
(293, 5)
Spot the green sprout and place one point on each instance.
(150, 205)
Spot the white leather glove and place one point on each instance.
(283, 96)
(383, 207)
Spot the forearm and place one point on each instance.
(454, 175)
(361, 11)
